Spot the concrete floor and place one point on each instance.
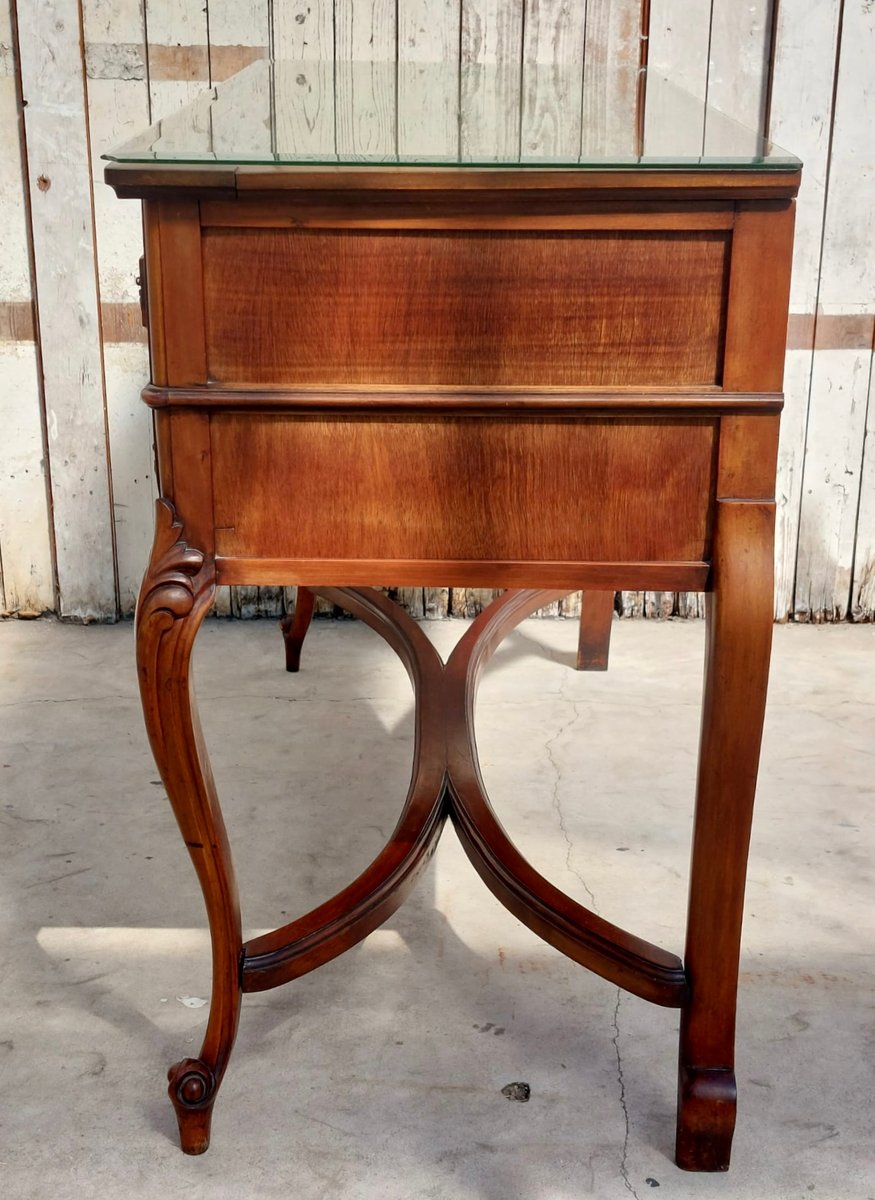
(380, 1075)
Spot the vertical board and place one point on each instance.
(863, 583)
(178, 55)
(26, 575)
(303, 35)
(428, 94)
(69, 322)
(25, 547)
(552, 80)
(801, 120)
(134, 487)
(239, 35)
(843, 336)
(118, 108)
(365, 79)
(677, 69)
(610, 78)
(490, 68)
(738, 65)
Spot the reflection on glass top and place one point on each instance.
(368, 113)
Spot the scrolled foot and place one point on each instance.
(193, 1092)
(706, 1118)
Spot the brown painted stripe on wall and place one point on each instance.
(121, 322)
(179, 63)
(16, 321)
(228, 60)
(835, 331)
(187, 63)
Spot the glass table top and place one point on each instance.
(438, 114)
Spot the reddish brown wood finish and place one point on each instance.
(498, 187)
(295, 626)
(468, 402)
(375, 377)
(297, 307)
(642, 968)
(177, 592)
(594, 639)
(333, 927)
(593, 646)
(736, 676)
(410, 572)
(454, 488)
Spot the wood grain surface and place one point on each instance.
(295, 307)
(635, 490)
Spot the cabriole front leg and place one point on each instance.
(739, 636)
(177, 593)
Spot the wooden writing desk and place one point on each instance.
(370, 374)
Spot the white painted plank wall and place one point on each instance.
(145, 58)
(55, 118)
(801, 118)
(831, 498)
(118, 108)
(428, 99)
(26, 581)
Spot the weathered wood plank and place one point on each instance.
(490, 67)
(552, 80)
(428, 95)
(176, 79)
(134, 487)
(470, 602)
(801, 119)
(69, 322)
(365, 80)
(677, 77)
(738, 68)
(610, 78)
(303, 34)
(25, 548)
(26, 583)
(118, 108)
(303, 31)
(863, 583)
(840, 378)
(436, 602)
(238, 24)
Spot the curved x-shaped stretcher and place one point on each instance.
(445, 782)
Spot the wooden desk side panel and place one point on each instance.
(462, 307)
(478, 490)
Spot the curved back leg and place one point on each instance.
(177, 592)
(295, 626)
(594, 639)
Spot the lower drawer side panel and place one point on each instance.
(503, 489)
